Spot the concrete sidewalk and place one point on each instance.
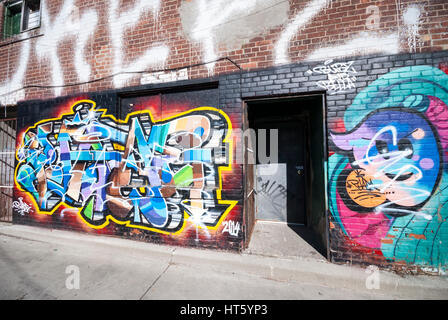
(34, 264)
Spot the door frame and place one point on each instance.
(249, 215)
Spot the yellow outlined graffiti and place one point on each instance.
(230, 204)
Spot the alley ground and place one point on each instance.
(37, 263)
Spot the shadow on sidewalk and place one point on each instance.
(283, 240)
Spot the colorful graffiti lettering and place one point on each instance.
(388, 177)
(142, 173)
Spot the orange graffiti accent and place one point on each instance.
(357, 188)
(387, 241)
(417, 236)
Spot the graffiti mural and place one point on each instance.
(141, 173)
(389, 175)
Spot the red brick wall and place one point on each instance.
(371, 40)
(325, 29)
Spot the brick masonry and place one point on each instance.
(375, 61)
(91, 29)
(357, 234)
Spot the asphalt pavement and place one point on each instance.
(40, 263)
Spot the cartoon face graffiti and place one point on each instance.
(388, 174)
(398, 159)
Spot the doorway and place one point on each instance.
(280, 184)
(289, 176)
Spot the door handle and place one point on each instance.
(299, 170)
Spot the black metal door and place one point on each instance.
(292, 152)
(280, 185)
